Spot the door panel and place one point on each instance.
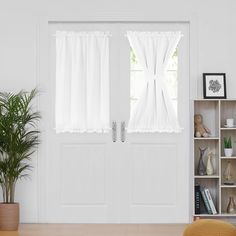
(150, 174)
(158, 184)
(79, 190)
(80, 164)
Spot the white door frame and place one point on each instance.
(42, 49)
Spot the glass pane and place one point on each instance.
(137, 82)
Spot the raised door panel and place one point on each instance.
(80, 183)
(157, 185)
(83, 174)
(154, 174)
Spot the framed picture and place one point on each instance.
(214, 85)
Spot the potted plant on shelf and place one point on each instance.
(228, 147)
(18, 141)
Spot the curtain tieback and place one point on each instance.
(151, 77)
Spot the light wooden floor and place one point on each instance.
(97, 230)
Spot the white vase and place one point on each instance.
(209, 168)
(228, 152)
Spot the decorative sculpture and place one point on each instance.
(200, 130)
(201, 167)
(209, 168)
(231, 208)
(228, 174)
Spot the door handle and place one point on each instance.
(114, 131)
(122, 131)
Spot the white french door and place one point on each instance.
(118, 177)
(155, 165)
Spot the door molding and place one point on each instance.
(42, 50)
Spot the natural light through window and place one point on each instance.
(137, 82)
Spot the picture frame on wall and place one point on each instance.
(214, 86)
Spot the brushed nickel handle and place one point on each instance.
(122, 131)
(114, 131)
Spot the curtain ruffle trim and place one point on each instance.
(177, 130)
(101, 131)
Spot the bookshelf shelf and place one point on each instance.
(214, 113)
(207, 138)
(228, 186)
(228, 128)
(224, 214)
(228, 215)
(206, 176)
(228, 158)
(206, 215)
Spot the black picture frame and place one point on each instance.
(214, 86)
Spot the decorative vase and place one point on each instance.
(228, 174)
(209, 168)
(9, 216)
(201, 166)
(228, 152)
(231, 208)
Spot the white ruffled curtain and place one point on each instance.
(82, 81)
(154, 111)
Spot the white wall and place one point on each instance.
(214, 47)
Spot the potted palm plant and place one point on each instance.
(228, 147)
(18, 141)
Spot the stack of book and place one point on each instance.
(205, 195)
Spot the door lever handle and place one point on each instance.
(122, 131)
(114, 131)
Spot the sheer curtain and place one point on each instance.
(154, 110)
(82, 81)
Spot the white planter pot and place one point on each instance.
(228, 152)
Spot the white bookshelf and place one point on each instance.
(214, 113)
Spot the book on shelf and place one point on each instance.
(209, 204)
(197, 196)
(206, 203)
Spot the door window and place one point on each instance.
(137, 81)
